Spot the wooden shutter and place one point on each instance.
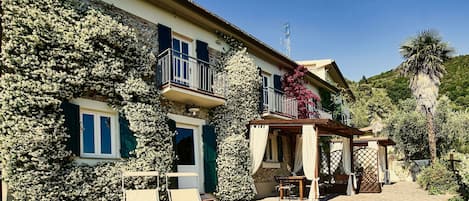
(71, 114)
(202, 50)
(278, 84)
(210, 157)
(128, 140)
(280, 148)
(164, 38)
(261, 92)
(164, 43)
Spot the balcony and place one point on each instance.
(325, 113)
(278, 106)
(319, 112)
(189, 80)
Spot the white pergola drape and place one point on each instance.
(258, 135)
(298, 155)
(346, 161)
(383, 172)
(310, 162)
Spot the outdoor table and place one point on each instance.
(293, 179)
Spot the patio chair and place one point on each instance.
(188, 194)
(141, 194)
(287, 187)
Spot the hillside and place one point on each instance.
(455, 83)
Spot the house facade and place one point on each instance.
(186, 41)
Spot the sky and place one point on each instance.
(362, 36)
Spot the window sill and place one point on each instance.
(93, 161)
(271, 164)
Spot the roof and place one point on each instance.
(200, 16)
(363, 141)
(332, 68)
(325, 126)
(384, 141)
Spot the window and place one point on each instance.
(181, 64)
(274, 149)
(99, 130)
(185, 146)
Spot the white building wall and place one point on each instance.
(152, 13)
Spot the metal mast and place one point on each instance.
(286, 39)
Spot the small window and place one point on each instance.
(273, 149)
(99, 130)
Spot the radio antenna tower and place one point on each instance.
(286, 39)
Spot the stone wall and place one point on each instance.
(148, 37)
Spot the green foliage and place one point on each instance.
(437, 179)
(452, 84)
(372, 105)
(53, 52)
(407, 127)
(235, 182)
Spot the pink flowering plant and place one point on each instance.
(294, 86)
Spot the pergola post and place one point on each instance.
(351, 158)
(317, 159)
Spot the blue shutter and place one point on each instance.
(210, 158)
(261, 93)
(278, 84)
(164, 38)
(71, 114)
(164, 43)
(128, 140)
(202, 51)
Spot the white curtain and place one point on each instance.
(258, 135)
(346, 161)
(383, 172)
(298, 155)
(310, 163)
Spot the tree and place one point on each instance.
(424, 57)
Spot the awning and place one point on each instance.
(325, 126)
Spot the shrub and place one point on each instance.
(437, 179)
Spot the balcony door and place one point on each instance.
(181, 71)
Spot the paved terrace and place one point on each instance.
(401, 191)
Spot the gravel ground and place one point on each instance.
(401, 191)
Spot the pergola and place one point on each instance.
(308, 128)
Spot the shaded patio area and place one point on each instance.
(305, 139)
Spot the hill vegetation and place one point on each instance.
(454, 84)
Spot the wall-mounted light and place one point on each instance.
(192, 109)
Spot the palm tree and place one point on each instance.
(424, 57)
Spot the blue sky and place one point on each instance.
(363, 36)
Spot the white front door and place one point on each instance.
(188, 154)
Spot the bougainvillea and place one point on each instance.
(52, 53)
(235, 182)
(294, 86)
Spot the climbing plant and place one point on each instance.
(294, 86)
(52, 52)
(235, 182)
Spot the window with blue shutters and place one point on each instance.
(99, 129)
